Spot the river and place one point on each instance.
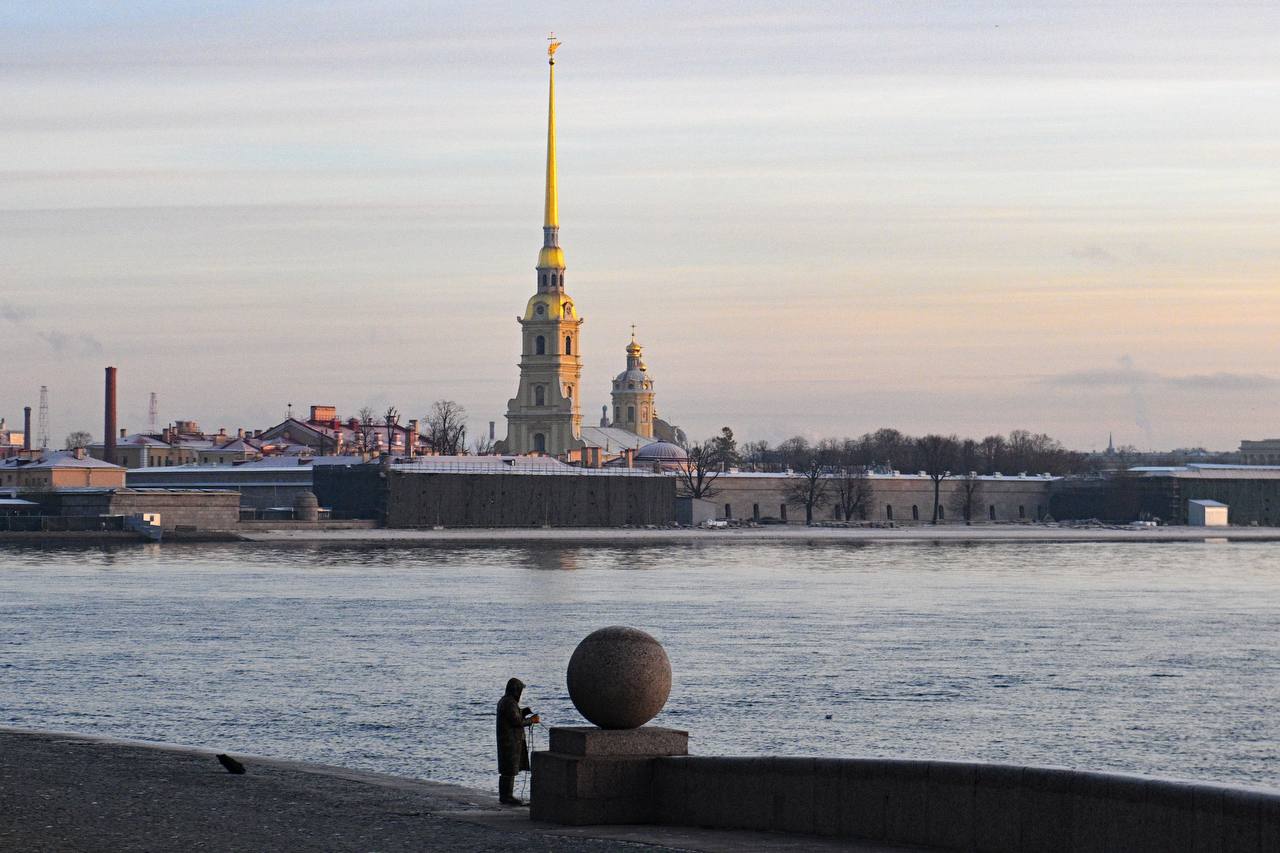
(1151, 658)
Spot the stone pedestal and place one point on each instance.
(600, 776)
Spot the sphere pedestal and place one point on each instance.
(601, 776)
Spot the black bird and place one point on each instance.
(231, 764)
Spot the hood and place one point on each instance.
(514, 688)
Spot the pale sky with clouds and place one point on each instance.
(823, 218)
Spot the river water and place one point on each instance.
(1154, 658)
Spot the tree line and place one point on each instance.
(835, 471)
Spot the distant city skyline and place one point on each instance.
(966, 218)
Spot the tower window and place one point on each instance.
(539, 443)
(568, 345)
(539, 395)
(540, 346)
(617, 414)
(631, 413)
(568, 391)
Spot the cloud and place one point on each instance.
(65, 344)
(13, 313)
(1094, 254)
(61, 343)
(1128, 377)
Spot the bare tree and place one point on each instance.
(78, 439)
(809, 488)
(390, 419)
(700, 471)
(482, 445)
(851, 482)
(992, 450)
(447, 428)
(937, 455)
(967, 497)
(366, 429)
(754, 453)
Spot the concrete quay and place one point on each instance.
(65, 792)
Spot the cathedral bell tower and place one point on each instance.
(633, 394)
(544, 416)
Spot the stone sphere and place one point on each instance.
(619, 678)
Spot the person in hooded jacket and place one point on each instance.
(513, 754)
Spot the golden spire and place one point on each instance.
(551, 212)
(551, 257)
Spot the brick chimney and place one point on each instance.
(26, 427)
(109, 418)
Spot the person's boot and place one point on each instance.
(506, 791)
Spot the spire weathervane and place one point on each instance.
(552, 48)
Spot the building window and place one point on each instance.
(568, 391)
(539, 394)
(540, 346)
(942, 513)
(539, 443)
(617, 414)
(631, 414)
(631, 386)
(568, 345)
(644, 414)
(1022, 511)
(755, 512)
(915, 512)
(888, 511)
(782, 512)
(728, 511)
(991, 512)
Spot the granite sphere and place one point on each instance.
(619, 678)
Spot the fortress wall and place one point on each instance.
(1014, 499)
(528, 500)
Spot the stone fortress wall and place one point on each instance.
(902, 498)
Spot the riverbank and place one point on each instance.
(779, 534)
(66, 792)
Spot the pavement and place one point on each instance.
(65, 792)
(779, 534)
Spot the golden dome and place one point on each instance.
(555, 306)
(551, 257)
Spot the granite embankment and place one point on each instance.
(62, 792)
(779, 534)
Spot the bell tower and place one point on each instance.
(633, 394)
(544, 416)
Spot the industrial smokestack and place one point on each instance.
(109, 419)
(26, 427)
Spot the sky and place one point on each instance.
(822, 218)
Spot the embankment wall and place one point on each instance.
(961, 806)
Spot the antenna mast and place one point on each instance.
(43, 422)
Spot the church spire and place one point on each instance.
(551, 258)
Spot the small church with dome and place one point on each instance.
(545, 416)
